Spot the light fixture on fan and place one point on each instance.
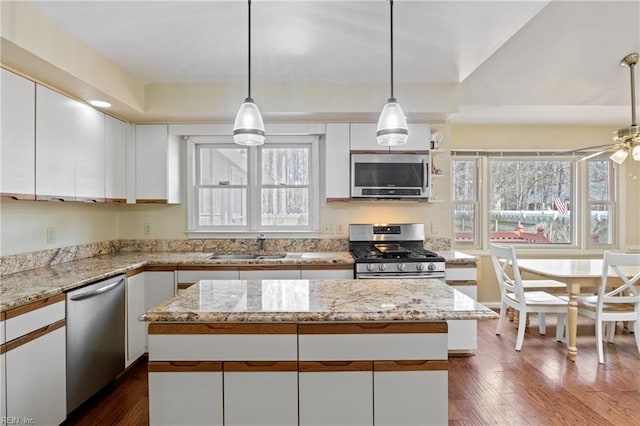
(629, 137)
(392, 125)
(248, 128)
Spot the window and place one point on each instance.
(532, 199)
(600, 201)
(273, 187)
(465, 201)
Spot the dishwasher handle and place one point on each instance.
(96, 292)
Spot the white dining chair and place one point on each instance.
(513, 294)
(619, 303)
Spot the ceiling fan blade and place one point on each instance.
(595, 154)
(585, 149)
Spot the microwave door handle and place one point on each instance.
(425, 169)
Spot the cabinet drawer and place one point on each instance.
(371, 341)
(188, 277)
(31, 317)
(461, 274)
(222, 342)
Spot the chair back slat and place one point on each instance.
(624, 291)
(504, 259)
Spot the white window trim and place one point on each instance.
(253, 208)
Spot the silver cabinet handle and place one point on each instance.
(96, 292)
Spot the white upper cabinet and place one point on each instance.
(90, 155)
(18, 136)
(55, 143)
(337, 161)
(157, 165)
(115, 141)
(363, 138)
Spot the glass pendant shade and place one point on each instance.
(636, 152)
(248, 129)
(392, 125)
(620, 155)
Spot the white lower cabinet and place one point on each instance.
(463, 334)
(136, 330)
(330, 394)
(407, 398)
(3, 384)
(36, 379)
(159, 286)
(255, 397)
(185, 398)
(187, 277)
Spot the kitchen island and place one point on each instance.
(304, 352)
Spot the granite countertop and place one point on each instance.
(318, 300)
(24, 287)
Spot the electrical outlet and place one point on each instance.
(147, 228)
(328, 228)
(340, 229)
(435, 229)
(51, 235)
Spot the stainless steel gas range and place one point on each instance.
(393, 251)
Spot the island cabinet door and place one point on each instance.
(260, 393)
(336, 392)
(185, 393)
(410, 393)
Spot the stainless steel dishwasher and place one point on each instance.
(95, 338)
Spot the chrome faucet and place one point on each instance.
(261, 238)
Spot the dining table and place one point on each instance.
(580, 275)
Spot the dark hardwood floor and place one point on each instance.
(497, 386)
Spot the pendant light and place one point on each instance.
(248, 129)
(392, 124)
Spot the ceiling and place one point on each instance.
(536, 62)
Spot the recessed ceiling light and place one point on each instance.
(99, 104)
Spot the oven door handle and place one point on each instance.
(394, 276)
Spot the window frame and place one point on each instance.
(581, 221)
(477, 239)
(253, 197)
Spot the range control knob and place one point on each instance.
(401, 266)
(370, 267)
(382, 267)
(420, 266)
(431, 267)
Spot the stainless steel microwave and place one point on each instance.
(394, 176)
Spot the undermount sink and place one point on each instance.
(234, 256)
(248, 256)
(317, 255)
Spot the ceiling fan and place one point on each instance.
(625, 140)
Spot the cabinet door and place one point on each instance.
(157, 164)
(186, 278)
(159, 286)
(185, 398)
(265, 274)
(3, 384)
(337, 183)
(55, 145)
(115, 140)
(410, 397)
(18, 136)
(261, 397)
(136, 330)
(363, 137)
(36, 379)
(336, 397)
(89, 152)
(463, 334)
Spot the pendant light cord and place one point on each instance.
(391, 17)
(249, 61)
